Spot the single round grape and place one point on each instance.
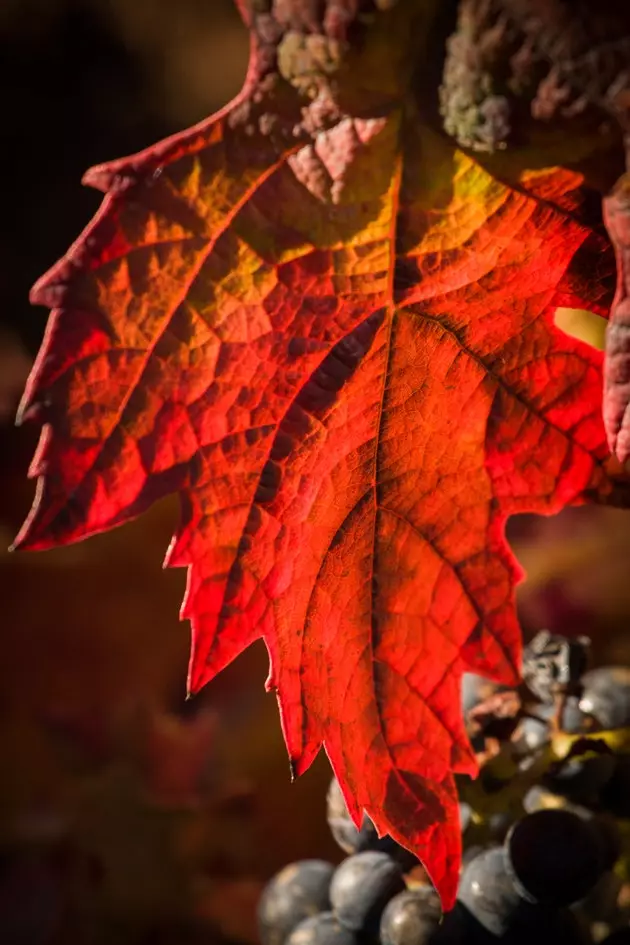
(606, 695)
(298, 891)
(321, 929)
(487, 891)
(351, 840)
(411, 917)
(538, 798)
(554, 857)
(362, 886)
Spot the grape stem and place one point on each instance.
(559, 705)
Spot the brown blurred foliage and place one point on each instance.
(126, 814)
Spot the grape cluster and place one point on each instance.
(545, 829)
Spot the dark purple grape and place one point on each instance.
(362, 886)
(581, 780)
(486, 890)
(554, 857)
(297, 892)
(352, 840)
(488, 894)
(411, 917)
(538, 798)
(606, 695)
(321, 929)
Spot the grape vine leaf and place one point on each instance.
(331, 333)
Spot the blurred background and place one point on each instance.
(126, 814)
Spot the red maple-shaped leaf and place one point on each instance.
(331, 332)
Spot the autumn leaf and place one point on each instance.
(331, 332)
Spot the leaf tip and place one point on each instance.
(22, 541)
(299, 765)
(39, 293)
(34, 534)
(115, 176)
(620, 448)
(448, 896)
(193, 684)
(29, 410)
(100, 177)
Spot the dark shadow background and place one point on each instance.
(126, 814)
